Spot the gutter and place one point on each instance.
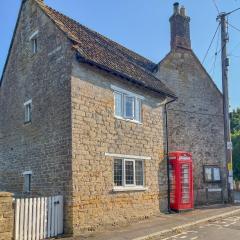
(167, 151)
(122, 75)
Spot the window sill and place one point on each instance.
(128, 120)
(129, 189)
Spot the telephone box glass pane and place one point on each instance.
(172, 182)
(185, 183)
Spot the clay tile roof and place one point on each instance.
(98, 50)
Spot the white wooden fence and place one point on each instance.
(38, 218)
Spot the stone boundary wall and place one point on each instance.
(6, 216)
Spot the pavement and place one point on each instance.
(165, 225)
(237, 196)
(226, 228)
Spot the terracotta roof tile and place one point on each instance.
(96, 49)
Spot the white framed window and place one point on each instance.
(27, 181)
(34, 42)
(127, 105)
(28, 111)
(128, 173)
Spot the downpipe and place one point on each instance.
(167, 152)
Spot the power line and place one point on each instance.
(237, 29)
(232, 11)
(233, 49)
(215, 4)
(211, 43)
(231, 55)
(215, 56)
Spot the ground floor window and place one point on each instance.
(128, 172)
(27, 182)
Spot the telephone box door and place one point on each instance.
(181, 181)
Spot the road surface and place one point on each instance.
(225, 229)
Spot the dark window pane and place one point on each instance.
(34, 45)
(139, 172)
(118, 172)
(129, 171)
(28, 112)
(27, 183)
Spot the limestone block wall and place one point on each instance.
(44, 145)
(6, 216)
(196, 118)
(95, 131)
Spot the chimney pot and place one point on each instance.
(183, 11)
(176, 9)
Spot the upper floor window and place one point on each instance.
(34, 42)
(127, 105)
(34, 45)
(28, 111)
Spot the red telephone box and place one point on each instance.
(181, 176)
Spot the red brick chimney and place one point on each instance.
(180, 28)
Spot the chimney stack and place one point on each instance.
(180, 28)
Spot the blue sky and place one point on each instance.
(143, 26)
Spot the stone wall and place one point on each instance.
(44, 145)
(6, 216)
(196, 118)
(95, 131)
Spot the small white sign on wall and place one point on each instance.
(229, 146)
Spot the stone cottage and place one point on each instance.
(83, 116)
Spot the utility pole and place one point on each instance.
(227, 131)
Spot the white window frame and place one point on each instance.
(29, 174)
(34, 42)
(129, 187)
(124, 94)
(27, 113)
